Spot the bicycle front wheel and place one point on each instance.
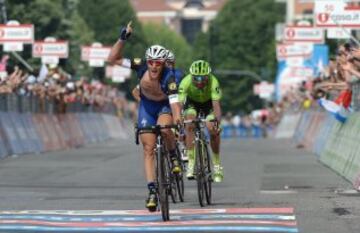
(163, 185)
(199, 166)
(208, 177)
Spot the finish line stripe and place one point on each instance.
(145, 212)
(151, 229)
(148, 218)
(148, 224)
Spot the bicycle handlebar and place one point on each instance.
(153, 129)
(198, 120)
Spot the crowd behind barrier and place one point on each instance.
(323, 115)
(49, 110)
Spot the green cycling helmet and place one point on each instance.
(200, 67)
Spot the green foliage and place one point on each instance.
(160, 34)
(106, 17)
(54, 18)
(242, 37)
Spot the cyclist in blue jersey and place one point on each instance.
(170, 63)
(159, 103)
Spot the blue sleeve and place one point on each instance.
(171, 84)
(140, 70)
(178, 75)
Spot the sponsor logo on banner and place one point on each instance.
(96, 54)
(58, 49)
(284, 51)
(22, 33)
(89, 53)
(335, 13)
(304, 34)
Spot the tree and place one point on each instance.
(53, 18)
(160, 34)
(242, 37)
(106, 18)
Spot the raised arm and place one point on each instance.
(116, 53)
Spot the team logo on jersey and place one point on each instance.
(143, 122)
(172, 86)
(217, 89)
(137, 61)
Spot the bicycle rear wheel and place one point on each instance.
(200, 172)
(163, 186)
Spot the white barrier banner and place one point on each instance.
(59, 49)
(50, 60)
(23, 33)
(284, 51)
(13, 46)
(96, 62)
(336, 13)
(90, 53)
(304, 34)
(338, 33)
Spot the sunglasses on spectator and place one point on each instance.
(200, 79)
(155, 62)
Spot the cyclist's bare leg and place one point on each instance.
(148, 141)
(215, 147)
(166, 119)
(189, 139)
(169, 136)
(214, 137)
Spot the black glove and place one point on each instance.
(124, 34)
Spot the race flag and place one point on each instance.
(337, 110)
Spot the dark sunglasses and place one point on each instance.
(155, 62)
(200, 79)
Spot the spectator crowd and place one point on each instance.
(51, 84)
(337, 84)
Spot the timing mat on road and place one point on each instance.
(182, 220)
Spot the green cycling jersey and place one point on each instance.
(210, 92)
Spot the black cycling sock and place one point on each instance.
(152, 187)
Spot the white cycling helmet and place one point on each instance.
(170, 56)
(156, 52)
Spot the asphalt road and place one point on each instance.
(269, 186)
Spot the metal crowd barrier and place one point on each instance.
(355, 96)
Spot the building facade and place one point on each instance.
(186, 17)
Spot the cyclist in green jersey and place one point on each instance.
(200, 93)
